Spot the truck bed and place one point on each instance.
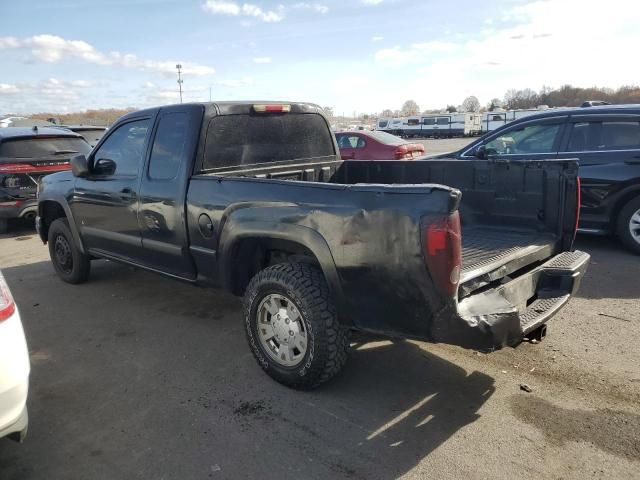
(509, 210)
(486, 249)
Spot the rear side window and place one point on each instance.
(260, 138)
(428, 121)
(602, 136)
(413, 121)
(443, 121)
(620, 135)
(351, 141)
(43, 147)
(168, 146)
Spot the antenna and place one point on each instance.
(180, 81)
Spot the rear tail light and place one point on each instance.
(401, 152)
(273, 108)
(7, 305)
(442, 252)
(28, 168)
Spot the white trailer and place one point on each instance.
(498, 118)
(434, 125)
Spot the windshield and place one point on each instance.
(43, 147)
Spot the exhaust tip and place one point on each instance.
(538, 334)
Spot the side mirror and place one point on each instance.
(481, 152)
(104, 166)
(79, 165)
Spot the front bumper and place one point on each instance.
(17, 430)
(506, 314)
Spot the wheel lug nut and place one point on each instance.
(286, 321)
(291, 332)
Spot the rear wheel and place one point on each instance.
(292, 326)
(628, 227)
(69, 262)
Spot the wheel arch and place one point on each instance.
(625, 196)
(50, 209)
(248, 248)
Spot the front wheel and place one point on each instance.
(628, 227)
(69, 262)
(292, 326)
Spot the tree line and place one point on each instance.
(565, 96)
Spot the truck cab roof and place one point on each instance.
(229, 108)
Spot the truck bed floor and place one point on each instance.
(487, 248)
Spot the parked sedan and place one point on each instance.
(14, 368)
(375, 145)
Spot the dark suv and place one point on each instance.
(606, 141)
(26, 155)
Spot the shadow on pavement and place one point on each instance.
(137, 376)
(613, 271)
(18, 227)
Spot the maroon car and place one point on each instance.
(375, 145)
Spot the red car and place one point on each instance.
(375, 145)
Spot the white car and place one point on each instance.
(14, 368)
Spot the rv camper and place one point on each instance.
(498, 118)
(436, 125)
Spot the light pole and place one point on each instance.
(179, 67)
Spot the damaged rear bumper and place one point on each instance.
(504, 315)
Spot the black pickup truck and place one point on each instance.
(253, 197)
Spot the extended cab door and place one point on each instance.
(105, 203)
(163, 190)
(608, 147)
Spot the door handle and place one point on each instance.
(126, 194)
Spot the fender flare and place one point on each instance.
(62, 201)
(313, 241)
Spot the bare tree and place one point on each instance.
(494, 104)
(386, 113)
(410, 107)
(471, 104)
(328, 111)
(451, 109)
(517, 99)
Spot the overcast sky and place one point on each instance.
(355, 56)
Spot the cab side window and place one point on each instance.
(123, 151)
(168, 146)
(528, 139)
